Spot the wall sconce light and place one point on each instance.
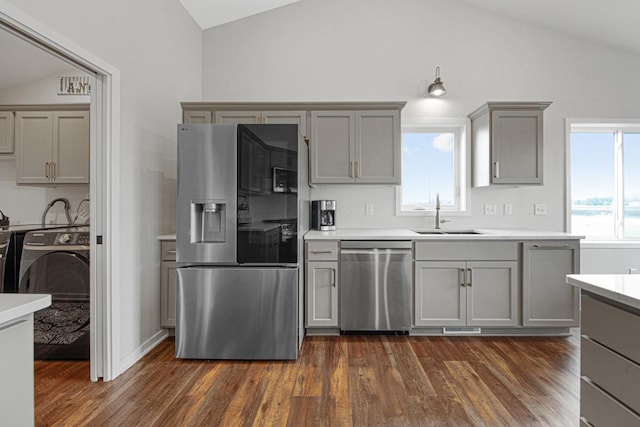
(437, 87)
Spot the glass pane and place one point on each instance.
(267, 193)
(632, 185)
(592, 184)
(428, 169)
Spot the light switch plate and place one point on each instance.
(368, 209)
(489, 209)
(508, 209)
(540, 209)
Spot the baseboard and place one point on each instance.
(141, 351)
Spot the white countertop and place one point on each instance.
(14, 306)
(622, 288)
(409, 234)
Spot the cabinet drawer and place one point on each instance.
(168, 250)
(600, 409)
(466, 251)
(618, 376)
(322, 251)
(611, 326)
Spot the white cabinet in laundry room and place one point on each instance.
(6, 132)
(52, 147)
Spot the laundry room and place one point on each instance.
(44, 183)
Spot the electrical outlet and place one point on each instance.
(508, 209)
(540, 209)
(368, 209)
(489, 209)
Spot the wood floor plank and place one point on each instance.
(336, 381)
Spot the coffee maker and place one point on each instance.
(323, 215)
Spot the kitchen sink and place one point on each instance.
(446, 232)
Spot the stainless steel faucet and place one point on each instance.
(67, 205)
(438, 216)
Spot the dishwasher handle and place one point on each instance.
(370, 244)
(374, 251)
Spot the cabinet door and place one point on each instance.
(492, 293)
(547, 300)
(322, 294)
(377, 147)
(70, 147)
(516, 147)
(6, 132)
(332, 147)
(194, 117)
(34, 141)
(238, 117)
(168, 277)
(440, 297)
(287, 117)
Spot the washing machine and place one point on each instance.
(56, 262)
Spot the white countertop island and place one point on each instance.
(16, 356)
(609, 348)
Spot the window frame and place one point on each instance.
(459, 127)
(617, 127)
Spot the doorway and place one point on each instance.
(104, 140)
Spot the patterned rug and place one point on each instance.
(62, 323)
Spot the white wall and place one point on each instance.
(377, 50)
(43, 91)
(156, 46)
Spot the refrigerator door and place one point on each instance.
(207, 195)
(237, 313)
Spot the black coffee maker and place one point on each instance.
(323, 215)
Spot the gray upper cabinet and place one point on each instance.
(6, 132)
(507, 142)
(52, 147)
(355, 146)
(195, 117)
(245, 113)
(350, 142)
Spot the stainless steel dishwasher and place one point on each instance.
(375, 286)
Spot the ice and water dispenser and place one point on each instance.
(208, 221)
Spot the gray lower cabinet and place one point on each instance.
(321, 281)
(168, 284)
(459, 293)
(546, 299)
(609, 364)
(466, 284)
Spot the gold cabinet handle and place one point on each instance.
(351, 174)
(333, 272)
(357, 169)
(462, 277)
(470, 277)
(54, 170)
(321, 252)
(496, 169)
(46, 170)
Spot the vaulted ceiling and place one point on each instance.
(611, 23)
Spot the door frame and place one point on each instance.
(104, 151)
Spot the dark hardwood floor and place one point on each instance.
(337, 381)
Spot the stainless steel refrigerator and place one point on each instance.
(239, 240)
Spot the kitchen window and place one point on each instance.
(433, 164)
(605, 180)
